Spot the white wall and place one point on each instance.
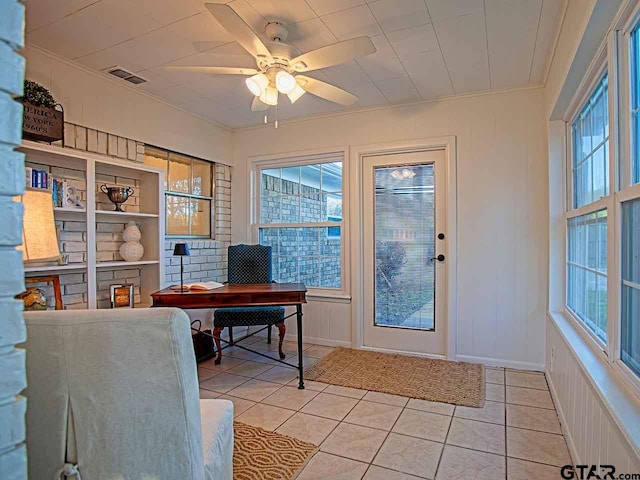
(502, 209)
(95, 101)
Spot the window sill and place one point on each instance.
(614, 393)
(325, 296)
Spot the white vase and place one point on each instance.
(132, 250)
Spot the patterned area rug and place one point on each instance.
(435, 380)
(259, 454)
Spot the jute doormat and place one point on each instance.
(459, 383)
(259, 454)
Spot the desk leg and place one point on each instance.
(299, 325)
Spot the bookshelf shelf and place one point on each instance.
(124, 215)
(56, 268)
(123, 263)
(93, 233)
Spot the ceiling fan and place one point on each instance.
(279, 66)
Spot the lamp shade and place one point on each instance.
(181, 250)
(39, 240)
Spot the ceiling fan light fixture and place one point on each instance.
(296, 93)
(269, 96)
(257, 84)
(285, 82)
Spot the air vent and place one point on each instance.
(120, 72)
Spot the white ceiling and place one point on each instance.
(425, 48)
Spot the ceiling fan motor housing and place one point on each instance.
(276, 31)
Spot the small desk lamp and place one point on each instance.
(181, 250)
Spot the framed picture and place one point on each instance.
(121, 295)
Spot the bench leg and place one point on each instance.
(269, 335)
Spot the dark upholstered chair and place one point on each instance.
(248, 264)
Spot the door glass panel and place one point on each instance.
(404, 244)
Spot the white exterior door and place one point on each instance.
(404, 252)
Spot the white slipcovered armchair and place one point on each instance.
(113, 395)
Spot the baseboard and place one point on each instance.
(497, 362)
(575, 458)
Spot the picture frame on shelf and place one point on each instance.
(121, 295)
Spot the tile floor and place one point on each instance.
(376, 436)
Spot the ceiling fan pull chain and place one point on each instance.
(276, 122)
(266, 120)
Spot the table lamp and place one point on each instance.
(39, 239)
(181, 250)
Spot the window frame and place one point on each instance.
(614, 57)
(600, 67)
(299, 159)
(170, 193)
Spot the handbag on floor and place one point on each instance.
(202, 342)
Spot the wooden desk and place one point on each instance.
(243, 295)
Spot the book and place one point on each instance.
(198, 287)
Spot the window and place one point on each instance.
(188, 192)
(587, 270)
(591, 149)
(630, 328)
(587, 221)
(635, 103)
(300, 216)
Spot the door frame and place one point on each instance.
(357, 153)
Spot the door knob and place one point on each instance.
(439, 258)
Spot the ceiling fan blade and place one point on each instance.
(213, 70)
(326, 91)
(341, 52)
(258, 106)
(238, 29)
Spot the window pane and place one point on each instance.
(201, 178)
(587, 270)
(310, 255)
(177, 215)
(630, 328)
(590, 146)
(307, 194)
(179, 174)
(156, 158)
(200, 217)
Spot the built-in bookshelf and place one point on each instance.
(90, 232)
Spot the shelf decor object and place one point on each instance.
(181, 250)
(41, 118)
(132, 250)
(121, 295)
(39, 240)
(118, 195)
(36, 298)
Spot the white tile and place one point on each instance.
(345, 391)
(255, 390)
(429, 426)
(240, 405)
(265, 416)
(433, 407)
(398, 90)
(383, 64)
(286, 11)
(324, 466)
(290, 397)
(279, 374)
(492, 412)
(463, 464)
(308, 428)
(223, 383)
(375, 415)
(324, 7)
(511, 35)
(482, 436)
(330, 406)
(98, 26)
(353, 22)
(414, 40)
(310, 35)
(393, 15)
(453, 8)
(549, 22)
(526, 380)
(414, 456)
(387, 398)
(464, 47)
(354, 441)
(250, 369)
(379, 473)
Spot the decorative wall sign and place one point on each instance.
(121, 295)
(42, 123)
(43, 118)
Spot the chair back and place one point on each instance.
(249, 264)
(113, 391)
